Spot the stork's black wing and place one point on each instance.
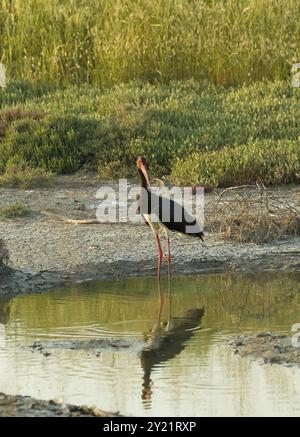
(170, 213)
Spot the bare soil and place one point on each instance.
(26, 406)
(46, 252)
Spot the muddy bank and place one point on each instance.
(46, 252)
(94, 347)
(27, 280)
(282, 256)
(268, 348)
(26, 406)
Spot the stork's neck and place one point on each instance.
(144, 183)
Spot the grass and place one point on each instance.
(4, 258)
(271, 161)
(194, 132)
(20, 174)
(106, 42)
(14, 211)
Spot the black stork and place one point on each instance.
(160, 213)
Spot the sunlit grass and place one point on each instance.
(111, 41)
(14, 211)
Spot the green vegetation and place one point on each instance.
(150, 78)
(230, 300)
(14, 211)
(194, 131)
(20, 174)
(271, 161)
(105, 42)
(3, 254)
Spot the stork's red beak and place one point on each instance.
(143, 169)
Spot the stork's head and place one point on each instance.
(142, 165)
(142, 162)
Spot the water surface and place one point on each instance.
(187, 367)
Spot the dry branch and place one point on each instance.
(255, 215)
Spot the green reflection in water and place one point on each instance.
(229, 300)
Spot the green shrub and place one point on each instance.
(274, 162)
(11, 114)
(105, 130)
(14, 211)
(19, 174)
(56, 144)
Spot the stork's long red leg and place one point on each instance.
(170, 296)
(161, 302)
(169, 278)
(169, 256)
(160, 256)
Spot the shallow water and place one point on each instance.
(179, 364)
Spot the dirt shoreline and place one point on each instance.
(268, 348)
(26, 406)
(47, 253)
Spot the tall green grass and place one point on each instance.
(196, 132)
(105, 42)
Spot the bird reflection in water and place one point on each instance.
(166, 340)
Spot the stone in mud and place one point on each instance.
(267, 348)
